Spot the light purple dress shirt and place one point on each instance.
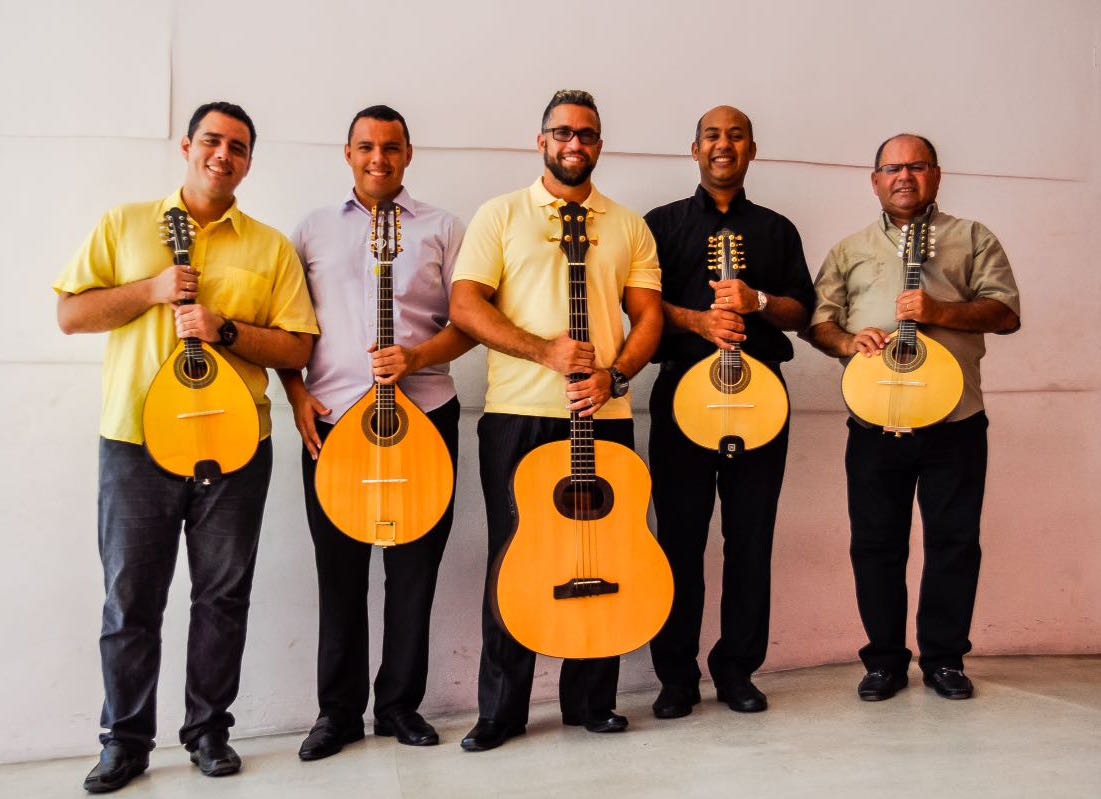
(334, 245)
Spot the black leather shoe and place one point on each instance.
(409, 727)
(950, 683)
(606, 721)
(741, 695)
(326, 738)
(117, 766)
(881, 684)
(489, 734)
(214, 756)
(675, 701)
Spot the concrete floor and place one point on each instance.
(1033, 729)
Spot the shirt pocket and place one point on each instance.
(237, 293)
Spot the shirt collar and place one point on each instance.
(403, 200)
(233, 215)
(594, 202)
(703, 199)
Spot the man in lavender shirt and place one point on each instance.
(333, 243)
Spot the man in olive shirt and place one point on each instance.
(967, 289)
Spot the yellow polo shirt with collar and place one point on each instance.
(248, 272)
(509, 247)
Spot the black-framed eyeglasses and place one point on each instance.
(915, 167)
(585, 135)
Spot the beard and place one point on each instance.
(575, 176)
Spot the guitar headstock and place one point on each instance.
(386, 232)
(177, 231)
(575, 239)
(918, 242)
(726, 253)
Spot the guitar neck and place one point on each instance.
(582, 451)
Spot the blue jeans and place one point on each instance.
(141, 512)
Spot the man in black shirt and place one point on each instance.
(772, 294)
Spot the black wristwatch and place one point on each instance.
(227, 333)
(620, 383)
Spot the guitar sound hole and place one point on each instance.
(901, 356)
(583, 501)
(196, 372)
(729, 379)
(385, 429)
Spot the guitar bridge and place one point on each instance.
(583, 587)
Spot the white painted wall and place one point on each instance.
(96, 96)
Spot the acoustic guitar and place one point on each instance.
(582, 575)
(200, 420)
(915, 381)
(730, 402)
(384, 474)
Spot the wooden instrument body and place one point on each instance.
(730, 402)
(549, 549)
(212, 418)
(714, 404)
(384, 489)
(199, 419)
(918, 393)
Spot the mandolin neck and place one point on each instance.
(385, 323)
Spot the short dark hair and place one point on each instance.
(569, 97)
(748, 122)
(922, 139)
(381, 112)
(230, 110)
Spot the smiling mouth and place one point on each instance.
(221, 173)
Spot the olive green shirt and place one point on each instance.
(863, 275)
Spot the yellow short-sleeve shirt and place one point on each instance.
(248, 272)
(509, 247)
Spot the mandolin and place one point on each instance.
(730, 402)
(384, 474)
(200, 420)
(582, 575)
(915, 381)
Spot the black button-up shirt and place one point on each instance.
(774, 264)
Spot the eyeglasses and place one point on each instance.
(585, 136)
(915, 167)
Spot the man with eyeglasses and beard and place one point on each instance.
(967, 289)
(510, 292)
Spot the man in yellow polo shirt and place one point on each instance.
(250, 300)
(511, 293)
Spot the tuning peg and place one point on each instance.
(932, 253)
(905, 228)
(932, 228)
(710, 239)
(567, 238)
(399, 235)
(400, 248)
(554, 238)
(593, 240)
(932, 240)
(582, 239)
(567, 218)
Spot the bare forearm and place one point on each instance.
(480, 319)
(645, 310)
(272, 347)
(100, 310)
(832, 339)
(444, 347)
(785, 313)
(683, 319)
(293, 384)
(977, 316)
